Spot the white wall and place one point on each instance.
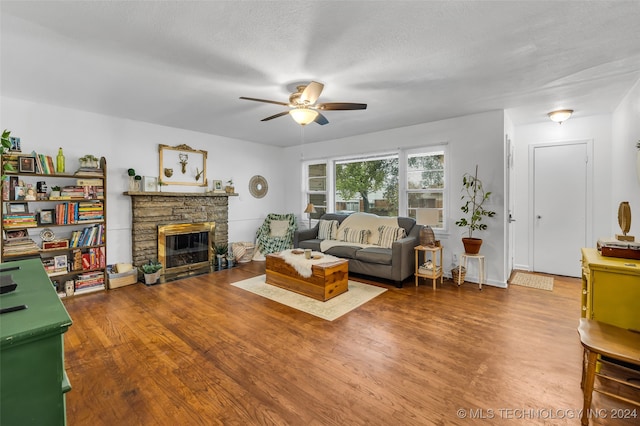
(131, 144)
(474, 139)
(625, 179)
(595, 128)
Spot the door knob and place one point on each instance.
(539, 217)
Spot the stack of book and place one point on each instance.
(90, 171)
(90, 211)
(71, 192)
(88, 282)
(19, 246)
(19, 220)
(55, 265)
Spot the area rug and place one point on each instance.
(357, 295)
(532, 280)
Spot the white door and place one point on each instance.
(560, 207)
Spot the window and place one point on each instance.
(426, 187)
(317, 188)
(367, 185)
(407, 183)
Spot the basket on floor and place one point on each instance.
(243, 251)
(458, 278)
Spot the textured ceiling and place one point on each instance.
(184, 64)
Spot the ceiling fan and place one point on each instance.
(304, 108)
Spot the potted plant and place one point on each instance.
(55, 192)
(89, 161)
(151, 271)
(473, 197)
(221, 252)
(229, 189)
(6, 146)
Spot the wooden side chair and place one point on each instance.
(603, 343)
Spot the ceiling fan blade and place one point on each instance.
(265, 100)
(321, 119)
(311, 93)
(280, 114)
(340, 106)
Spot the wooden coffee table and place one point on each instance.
(326, 281)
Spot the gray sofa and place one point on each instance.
(396, 263)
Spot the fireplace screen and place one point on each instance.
(185, 247)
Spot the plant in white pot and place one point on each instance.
(473, 197)
(151, 271)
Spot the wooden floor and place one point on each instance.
(202, 352)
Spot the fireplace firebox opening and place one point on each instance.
(185, 249)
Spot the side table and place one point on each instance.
(463, 262)
(436, 272)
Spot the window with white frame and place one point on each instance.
(316, 187)
(407, 183)
(426, 186)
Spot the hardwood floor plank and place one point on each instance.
(199, 351)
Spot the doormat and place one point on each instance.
(526, 279)
(357, 295)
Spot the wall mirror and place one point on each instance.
(182, 165)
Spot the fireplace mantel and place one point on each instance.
(150, 209)
(179, 194)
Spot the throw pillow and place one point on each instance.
(327, 229)
(278, 228)
(352, 235)
(389, 234)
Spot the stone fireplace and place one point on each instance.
(149, 210)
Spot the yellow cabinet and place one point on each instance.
(611, 289)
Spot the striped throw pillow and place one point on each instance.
(327, 229)
(352, 235)
(389, 234)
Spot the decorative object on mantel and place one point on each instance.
(192, 163)
(150, 184)
(258, 186)
(217, 187)
(132, 180)
(229, 189)
(624, 220)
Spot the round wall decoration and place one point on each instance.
(258, 186)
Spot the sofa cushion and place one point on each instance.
(374, 255)
(368, 221)
(353, 235)
(344, 251)
(328, 229)
(389, 234)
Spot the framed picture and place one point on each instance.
(217, 186)
(150, 184)
(15, 144)
(60, 262)
(27, 165)
(183, 165)
(47, 217)
(17, 208)
(16, 234)
(19, 192)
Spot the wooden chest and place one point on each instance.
(327, 280)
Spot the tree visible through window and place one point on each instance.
(425, 187)
(369, 185)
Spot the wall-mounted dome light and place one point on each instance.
(560, 115)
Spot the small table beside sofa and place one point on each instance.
(376, 246)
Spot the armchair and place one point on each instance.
(276, 233)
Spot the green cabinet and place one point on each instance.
(611, 289)
(32, 377)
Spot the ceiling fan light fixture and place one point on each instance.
(560, 115)
(303, 116)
